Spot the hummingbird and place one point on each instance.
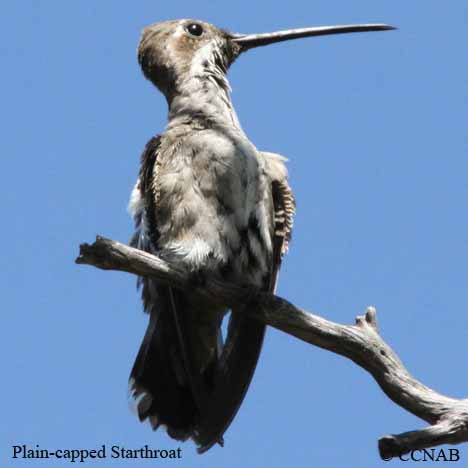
(208, 199)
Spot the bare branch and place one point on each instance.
(448, 417)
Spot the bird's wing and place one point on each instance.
(245, 335)
(164, 383)
(284, 205)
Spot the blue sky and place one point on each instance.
(375, 127)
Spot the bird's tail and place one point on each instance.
(174, 387)
(167, 383)
(234, 374)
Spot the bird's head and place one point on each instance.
(171, 50)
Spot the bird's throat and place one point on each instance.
(204, 98)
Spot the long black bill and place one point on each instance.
(249, 41)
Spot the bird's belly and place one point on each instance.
(213, 209)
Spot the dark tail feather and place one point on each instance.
(189, 346)
(235, 371)
(164, 381)
(158, 380)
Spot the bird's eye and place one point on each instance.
(194, 29)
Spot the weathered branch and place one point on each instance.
(448, 417)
